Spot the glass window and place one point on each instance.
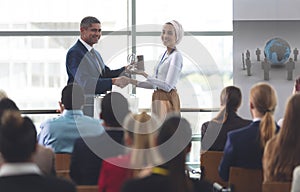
(194, 15)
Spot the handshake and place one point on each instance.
(123, 81)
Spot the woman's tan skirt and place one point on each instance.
(165, 102)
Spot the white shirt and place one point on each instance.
(87, 46)
(9, 169)
(296, 180)
(168, 73)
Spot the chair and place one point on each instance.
(87, 188)
(245, 180)
(62, 165)
(210, 161)
(276, 187)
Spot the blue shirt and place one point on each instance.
(60, 133)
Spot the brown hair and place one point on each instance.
(263, 97)
(286, 154)
(230, 100)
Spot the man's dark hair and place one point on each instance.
(88, 21)
(6, 104)
(17, 137)
(72, 97)
(114, 108)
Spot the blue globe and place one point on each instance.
(277, 51)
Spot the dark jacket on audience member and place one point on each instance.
(242, 149)
(86, 163)
(156, 183)
(214, 135)
(34, 183)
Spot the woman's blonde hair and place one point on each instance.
(142, 129)
(263, 98)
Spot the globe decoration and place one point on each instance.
(277, 51)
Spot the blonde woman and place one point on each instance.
(139, 136)
(244, 147)
(281, 154)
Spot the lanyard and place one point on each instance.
(160, 171)
(161, 61)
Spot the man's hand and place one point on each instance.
(121, 81)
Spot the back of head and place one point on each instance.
(263, 99)
(285, 154)
(114, 108)
(230, 100)
(88, 21)
(7, 104)
(290, 127)
(17, 137)
(72, 97)
(178, 133)
(141, 129)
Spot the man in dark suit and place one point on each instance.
(17, 145)
(85, 65)
(88, 152)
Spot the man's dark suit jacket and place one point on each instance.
(86, 163)
(214, 135)
(83, 70)
(34, 183)
(242, 149)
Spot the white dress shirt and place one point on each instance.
(10, 169)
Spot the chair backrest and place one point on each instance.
(276, 187)
(209, 162)
(87, 188)
(62, 165)
(62, 161)
(245, 180)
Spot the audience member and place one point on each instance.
(170, 176)
(17, 144)
(60, 133)
(296, 89)
(89, 151)
(214, 132)
(43, 157)
(139, 136)
(244, 147)
(296, 180)
(281, 153)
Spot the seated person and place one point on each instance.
(60, 133)
(17, 145)
(214, 132)
(139, 136)
(281, 153)
(173, 142)
(86, 159)
(244, 147)
(43, 157)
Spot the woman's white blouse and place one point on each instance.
(166, 73)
